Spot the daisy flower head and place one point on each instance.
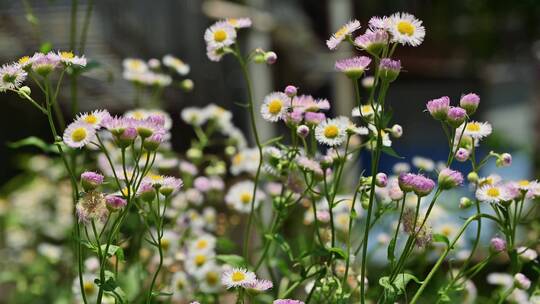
(11, 76)
(406, 29)
(438, 108)
(379, 23)
(134, 65)
(456, 116)
(194, 116)
(492, 194)
(68, 58)
(353, 67)
(43, 64)
(309, 165)
(469, 102)
(476, 130)
(203, 243)
(239, 22)
(78, 134)
(307, 103)
(275, 106)
(389, 69)
(260, 285)
(214, 54)
(94, 118)
(237, 277)
(209, 278)
(176, 64)
(219, 35)
(365, 111)
(92, 206)
(342, 33)
(148, 127)
(372, 41)
(240, 196)
(332, 132)
(170, 185)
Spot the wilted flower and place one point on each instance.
(92, 206)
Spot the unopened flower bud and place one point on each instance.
(456, 116)
(504, 160)
(397, 131)
(270, 57)
(462, 155)
(381, 179)
(449, 178)
(187, 85)
(125, 139)
(367, 82)
(152, 143)
(521, 281)
(91, 180)
(438, 108)
(115, 202)
(472, 177)
(389, 69)
(25, 90)
(498, 244)
(302, 131)
(291, 90)
(194, 153)
(469, 102)
(465, 203)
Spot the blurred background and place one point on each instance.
(488, 47)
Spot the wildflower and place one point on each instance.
(462, 155)
(389, 69)
(78, 134)
(476, 130)
(438, 108)
(394, 191)
(521, 281)
(381, 179)
(92, 206)
(365, 111)
(148, 127)
(456, 116)
(498, 244)
(237, 277)
(91, 180)
(176, 64)
(502, 279)
(275, 106)
(465, 203)
(396, 131)
(291, 90)
(170, 185)
(423, 163)
(307, 103)
(115, 202)
(240, 196)
(379, 23)
(527, 254)
(260, 285)
(353, 67)
(44, 64)
(196, 263)
(11, 77)
(239, 22)
(214, 54)
(220, 35)
(504, 160)
(309, 165)
(372, 41)
(406, 29)
(368, 82)
(203, 243)
(209, 278)
(449, 178)
(341, 34)
(413, 226)
(246, 160)
(287, 301)
(270, 57)
(469, 102)
(492, 194)
(146, 191)
(302, 131)
(332, 132)
(134, 65)
(94, 118)
(69, 59)
(152, 143)
(420, 184)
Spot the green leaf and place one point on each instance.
(392, 290)
(45, 47)
(33, 141)
(441, 238)
(232, 259)
(225, 245)
(338, 251)
(391, 152)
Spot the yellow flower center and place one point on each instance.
(493, 192)
(88, 287)
(446, 230)
(238, 276)
(155, 177)
(200, 260)
(24, 60)
(523, 183)
(212, 278)
(331, 131)
(405, 28)
(245, 198)
(473, 127)
(201, 244)
(367, 109)
(67, 55)
(91, 119)
(233, 21)
(137, 115)
(274, 106)
(78, 134)
(220, 35)
(165, 244)
(341, 32)
(237, 159)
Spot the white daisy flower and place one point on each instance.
(180, 286)
(379, 23)
(220, 35)
(246, 160)
(240, 196)
(79, 134)
(237, 277)
(176, 64)
(275, 106)
(342, 33)
(492, 194)
(332, 132)
(214, 54)
(203, 243)
(68, 58)
(423, 163)
(11, 77)
(239, 22)
(196, 261)
(475, 129)
(194, 116)
(406, 29)
(135, 65)
(365, 111)
(209, 278)
(386, 141)
(492, 179)
(94, 118)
